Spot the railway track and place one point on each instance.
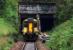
(24, 46)
(18, 45)
(28, 46)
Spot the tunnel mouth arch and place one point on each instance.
(46, 22)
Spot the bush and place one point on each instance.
(62, 37)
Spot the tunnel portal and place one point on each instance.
(45, 10)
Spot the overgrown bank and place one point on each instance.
(61, 37)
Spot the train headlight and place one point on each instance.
(24, 30)
(35, 30)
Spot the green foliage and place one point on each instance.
(62, 36)
(64, 11)
(6, 46)
(9, 11)
(8, 22)
(5, 28)
(11, 8)
(2, 3)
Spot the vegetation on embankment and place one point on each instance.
(6, 30)
(8, 22)
(6, 43)
(64, 11)
(61, 37)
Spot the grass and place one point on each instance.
(5, 43)
(62, 36)
(5, 29)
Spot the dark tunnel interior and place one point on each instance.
(47, 22)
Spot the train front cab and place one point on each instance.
(30, 30)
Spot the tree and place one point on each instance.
(64, 11)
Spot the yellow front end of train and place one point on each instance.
(30, 29)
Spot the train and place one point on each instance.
(30, 29)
